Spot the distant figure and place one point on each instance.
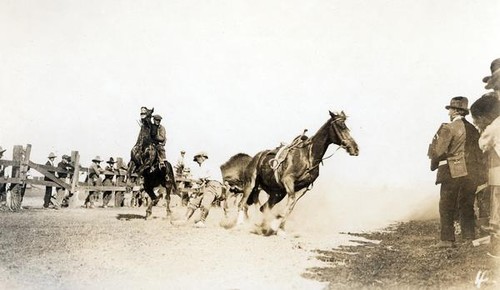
(208, 185)
(65, 164)
(48, 189)
(3, 186)
(109, 173)
(493, 81)
(486, 115)
(94, 179)
(179, 166)
(159, 137)
(121, 180)
(455, 153)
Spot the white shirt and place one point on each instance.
(206, 171)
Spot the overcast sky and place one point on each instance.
(243, 76)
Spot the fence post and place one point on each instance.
(16, 191)
(73, 200)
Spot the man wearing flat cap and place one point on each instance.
(3, 186)
(456, 155)
(159, 136)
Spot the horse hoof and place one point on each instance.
(281, 233)
(275, 225)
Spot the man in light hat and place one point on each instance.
(48, 189)
(486, 115)
(179, 166)
(159, 136)
(207, 185)
(455, 153)
(3, 186)
(94, 179)
(493, 81)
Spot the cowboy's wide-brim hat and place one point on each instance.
(66, 157)
(202, 154)
(111, 160)
(52, 155)
(97, 159)
(493, 81)
(460, 103)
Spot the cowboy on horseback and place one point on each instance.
(158, 135)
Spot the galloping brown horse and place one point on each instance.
(145, 162)
(292, 174)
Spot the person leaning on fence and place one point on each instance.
(64, 164)
(455, 153)
(207, 185)
(3, 186)
(109, 173)
(486, 115)
(159, 137)
(48, 189)
(94, 179)
(121, 180)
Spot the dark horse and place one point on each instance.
(145, 162)
(295, 172)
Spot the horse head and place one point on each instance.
(146, 114)
(339, 133)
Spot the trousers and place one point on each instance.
(457, 199)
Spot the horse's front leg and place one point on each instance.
(293, 197)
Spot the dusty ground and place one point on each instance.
(115, 248)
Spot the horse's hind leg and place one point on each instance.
(149, 210)
(167, 200)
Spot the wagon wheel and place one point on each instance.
(16, 197)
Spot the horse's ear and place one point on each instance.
(152, 110)
(332, 114)
(342, 113)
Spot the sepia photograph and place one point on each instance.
(324, 144)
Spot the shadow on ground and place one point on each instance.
(128, 216)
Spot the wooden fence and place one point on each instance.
(21, 164)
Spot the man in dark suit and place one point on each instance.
(456, 155)
(48, 189)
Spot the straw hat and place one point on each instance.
(201, 153)
(97, 159)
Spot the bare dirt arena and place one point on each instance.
(115, 248)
